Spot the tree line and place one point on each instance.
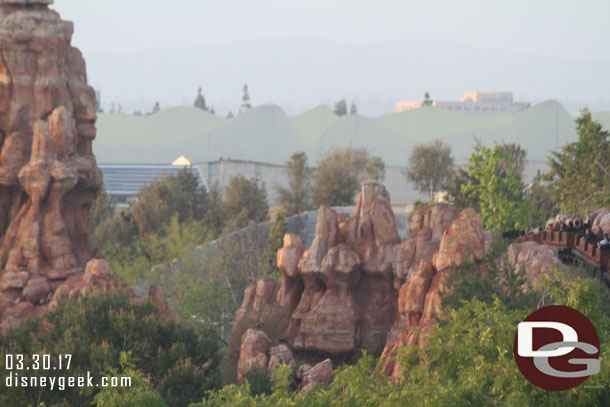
(492, 181)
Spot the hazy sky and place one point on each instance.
(554, 30)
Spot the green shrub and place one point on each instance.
(258, 379)
(96, 329)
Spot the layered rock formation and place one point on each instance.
(48, 174)
(440, 238)
(358, 286)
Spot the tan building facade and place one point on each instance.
(474, 103)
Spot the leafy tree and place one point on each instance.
(156, 108)
(430, 167)
(200, 100)
(459, 176)
(427, 101)
(167, 217)
(173, 240)
(580, 171)
(216, 214)
(540, 194)
(245, 99)
(297, 197)
(515, 157)
(353, 109)
(244, 195)
(340, 108)
(497, 188)
(180, 194)
(375, 169)
(338, 175)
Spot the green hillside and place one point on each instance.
(175, 123)
(311, 124)
(430, 123)
(267, 134)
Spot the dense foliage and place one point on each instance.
(430, 167)
(580, 172)
(245, 197)
(494, 182)
(297, 197)
(107, 334)
(339, 173)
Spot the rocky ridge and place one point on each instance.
(49, 177)
(358, 286)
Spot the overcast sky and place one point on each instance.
(112, 32)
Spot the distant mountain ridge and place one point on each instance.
(267, 134)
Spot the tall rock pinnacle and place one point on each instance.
(48, 174)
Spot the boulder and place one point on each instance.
(253, 352)
(535, 259)
(301, 370)
(37, 289)
(320, 373)
(281, 355)
(13, 280)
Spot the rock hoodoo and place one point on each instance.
(358, 286)
(48, 174)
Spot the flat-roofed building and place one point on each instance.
(409, 105)
(474, 103)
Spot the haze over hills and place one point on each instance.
(301, 73)
(268, 134)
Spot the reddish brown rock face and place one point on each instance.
(339, 294)
(441, 238)
(535, 259)
(320, 373)
(358, 286)
(281, 355)
(48, 174)
(253, 353)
